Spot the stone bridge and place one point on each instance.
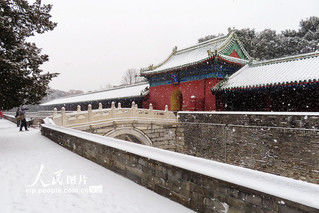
(155, 128)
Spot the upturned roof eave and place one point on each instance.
(265, 86)
(227, 39)
(93, 100)
(287, 59)
(225, 58)
(91, 93)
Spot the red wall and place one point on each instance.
(160, 96)
(234, 54)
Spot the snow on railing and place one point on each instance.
(111, 114)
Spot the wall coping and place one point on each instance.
(250, 113)
(282, 187)
(11, 116)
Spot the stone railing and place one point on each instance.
(110, 114)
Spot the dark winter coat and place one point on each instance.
(21, 113)
(17, 112)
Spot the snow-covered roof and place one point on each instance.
(232, 59)
(131, 91)
(299, 69)
(197, 54)
(251, 113)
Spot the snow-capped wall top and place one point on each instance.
(286, 188)
(297, 69)
(129, 91)
(197, 54)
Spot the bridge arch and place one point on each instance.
(130, 134)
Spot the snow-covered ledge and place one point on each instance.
(251, 189)
(250, 113)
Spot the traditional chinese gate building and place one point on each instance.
(217, 74)
(183, 81)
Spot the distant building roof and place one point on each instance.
(293, 70)
(123, 92)
(198, 53)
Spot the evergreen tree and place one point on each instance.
(268, 44)
(21, 79)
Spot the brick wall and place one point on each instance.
(163, 135)
(169, 136)
(194, 190)
(286, 145)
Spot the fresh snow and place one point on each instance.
(130, 91)
(250, 113)
(286, 188)
(190, 55)
(21, 155)
(280, 71)
(194, 54)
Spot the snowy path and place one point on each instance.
(21, 156)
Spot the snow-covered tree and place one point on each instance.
(21, 79)
(209, 37)
(269, 44)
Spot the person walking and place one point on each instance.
(22, 116)
(17, 117)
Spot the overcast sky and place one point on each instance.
(96, 41)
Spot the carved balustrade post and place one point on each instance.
(150, 110)
(112, 109)
(133, 110)
(166, 111)
(63, 116)
(89, 112)
(55, 112)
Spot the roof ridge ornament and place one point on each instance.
(174, 49)
(230, 30)
(216, 46)
(210, 54)
(151, 67)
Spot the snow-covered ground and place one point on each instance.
(28, 160)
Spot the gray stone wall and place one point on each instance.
(286, 145)
(169, 136)
(196, 191)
